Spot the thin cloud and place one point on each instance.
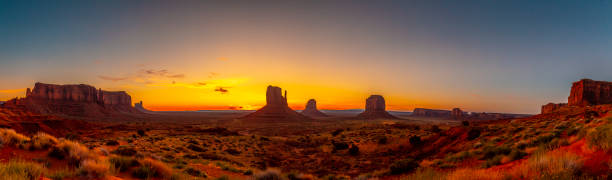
(161, 73)
(222, 90)
(114, 79)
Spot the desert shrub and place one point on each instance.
(20, 170)
(125, 151)
(465, 123)
(354, 150)
(435, 128)
(224, 177)
(551, 166)
(460, 156)
(150, 168)
(196, 148)
(516, 154)
(425, 173)
(112, 143)
(72, 151)
(195, 172)
(340, 145)
(403, 166)
(336, 177)
(601, 137)
(61, 174)
(42, 141)
(415, 140)
(336, 132)
(123, 163)
(268, 174)
(473, 134)
(10, 137)
(141, 132)
(381, 139)
(493, 161)
(492, 151)
(93, 169)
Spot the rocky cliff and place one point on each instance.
(73, 100)
(139, 106)
(457, 113)
(588, 92)
(275, 110)
(430, 112)
(375, 108)
(552, 107)
(311, 109)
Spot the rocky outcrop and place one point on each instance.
(375, 108)
(430, 112)
(275, 110)
(73, 100)
(552, 107)
(457, 113)
(311, 109)
(588, 92)
(139, 106)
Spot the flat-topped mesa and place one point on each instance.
(311, 109)
(552, 107)
(375, 108)
(276, 109)
(74, 100)
(588, 92)
(430, 112)
(457, 113)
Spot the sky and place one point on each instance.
(481, 56)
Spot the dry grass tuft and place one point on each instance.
(93, 169)
(10, 137)
(20, 170)
(43, 141)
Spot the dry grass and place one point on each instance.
(93, 169)
(43, 141)
(150, 168)
(10, 137)
(559, 165)
(20, 170)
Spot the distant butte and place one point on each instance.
(587, 92)
(311, 109)
(73, 100)
(276, 109)
(375, 108)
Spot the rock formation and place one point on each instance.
(430, 112)
(311, 109)
(587, 92)
(375, 108)
(73, 100)
(276, 109)
(139, 106)
(552, 107)
(457, 113)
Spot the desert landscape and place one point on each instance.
(305, 90)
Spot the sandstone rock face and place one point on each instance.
(74, 100)
(587, 92)
(311, 109)
(139, 106)
(552, 107)
(375, 108)
(457, 113)
(275, 110)
(430, 112)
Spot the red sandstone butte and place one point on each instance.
(431, 112)
(73, 100)
(588, 92)
(552, 107)
(276, 109)
(375, 108)
(457, 113)
(311, 109)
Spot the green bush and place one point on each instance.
(403, 166)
